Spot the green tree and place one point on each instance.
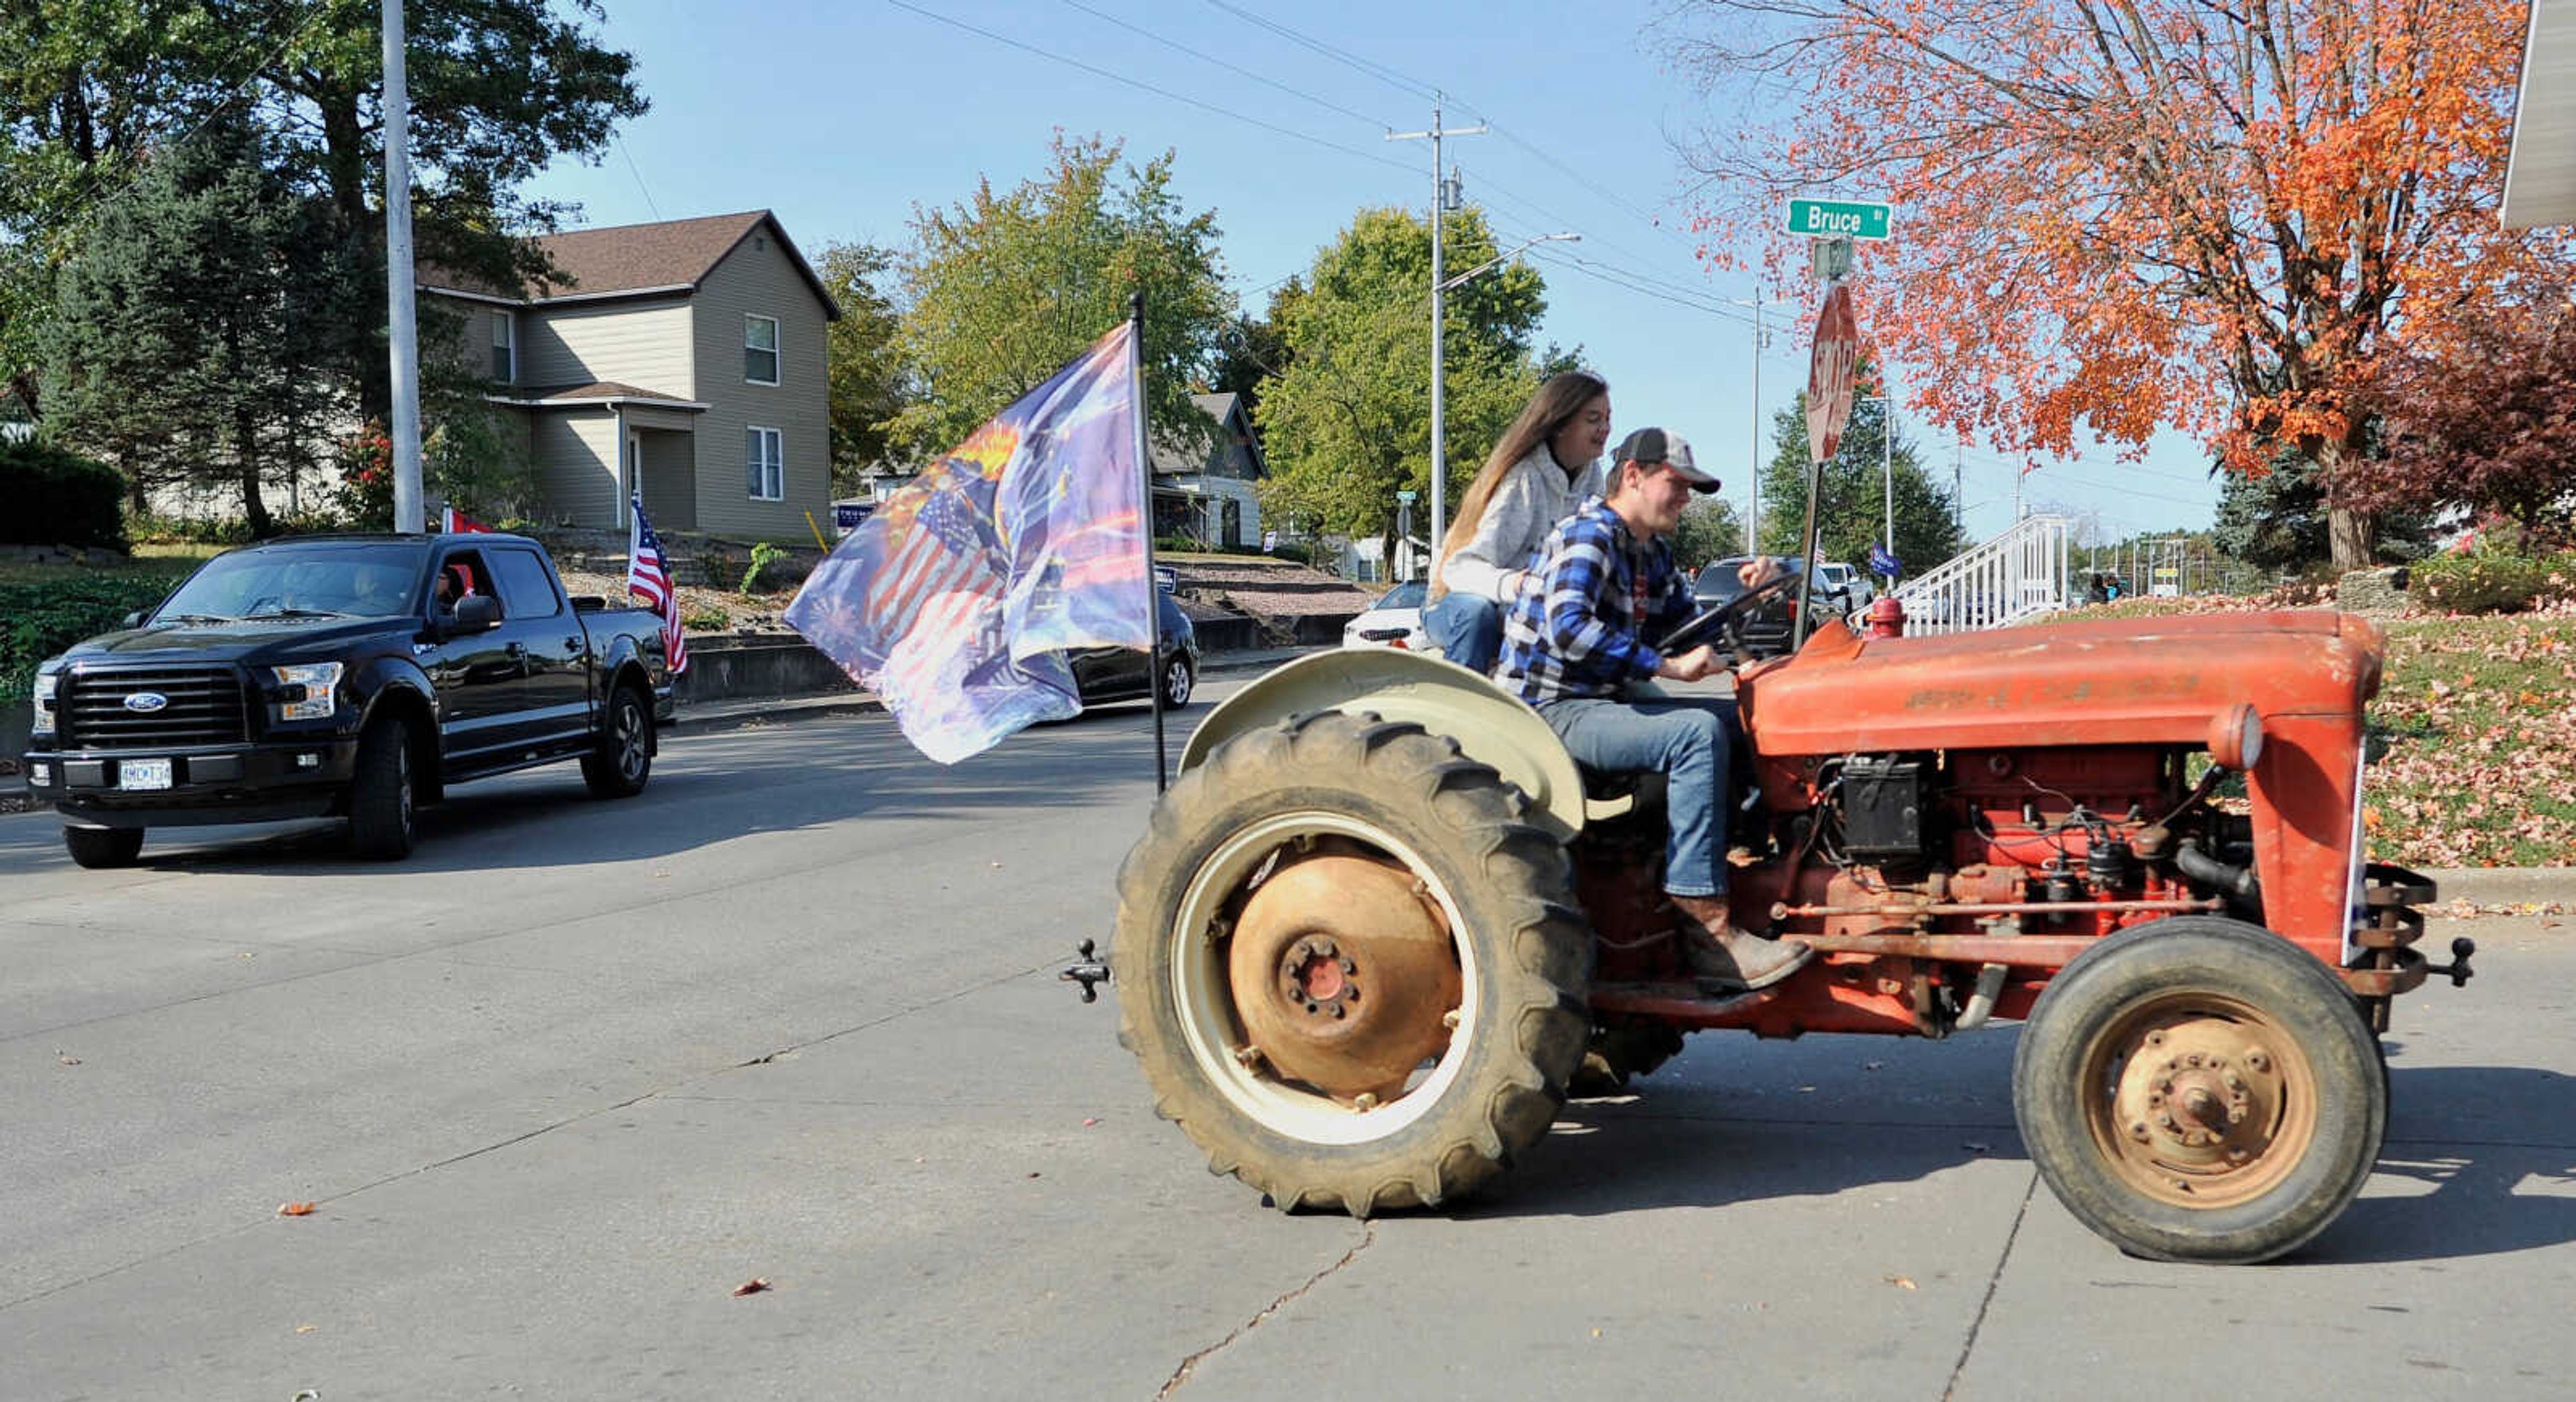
(1348, 424)
(1254, 349)
(498, 89)
(1003, 289)
(1852, 507)
(1710, 530)
(2278, 520)
(869, 382)
(189, 333)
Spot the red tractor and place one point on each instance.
(1381, 924)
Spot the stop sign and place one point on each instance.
(1829, 374)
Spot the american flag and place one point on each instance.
(648, 577)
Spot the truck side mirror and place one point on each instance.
(475, 613)
(134, 619)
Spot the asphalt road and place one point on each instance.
(563, 1082)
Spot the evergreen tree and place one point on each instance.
(192, 337)
(1852, 507)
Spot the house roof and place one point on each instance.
(1170, 459)
(596, 392)
(625, 260)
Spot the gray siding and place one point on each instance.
(576, 454)
(758, 277)
(642, 343)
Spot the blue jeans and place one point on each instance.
(1467, 630)
(1687, 739)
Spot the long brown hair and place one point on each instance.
(1552, 408)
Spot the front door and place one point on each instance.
(554, 704)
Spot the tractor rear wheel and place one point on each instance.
(2200, 1089)
(1353, 973)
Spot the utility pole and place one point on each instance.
(1887, 459)
(1444, 193)
(1753, 511)
(405, 331)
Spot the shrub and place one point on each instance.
(707, 621)
(40, 619)
(58, 497)
(2486, 580)
(763, 555)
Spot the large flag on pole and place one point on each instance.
(955, 599)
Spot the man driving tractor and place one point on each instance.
(1575, 641)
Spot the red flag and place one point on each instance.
(456, 522)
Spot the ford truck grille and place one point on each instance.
(199, 706)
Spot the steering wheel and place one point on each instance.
(1726, 620)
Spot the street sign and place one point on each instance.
(1829, 374)
(1404, 496)
(1838, 219)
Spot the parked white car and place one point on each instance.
(1393, 621)
(1844, 583)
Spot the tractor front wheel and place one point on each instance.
(1352, 971)
(2199, 1089)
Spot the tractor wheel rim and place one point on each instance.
(1205, 993)
(2199, 1101)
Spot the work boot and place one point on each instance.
(1727, 957)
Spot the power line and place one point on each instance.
(1413, 86)
(1115, 77)
(1226, 63)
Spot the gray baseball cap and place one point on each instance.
(1653, 447)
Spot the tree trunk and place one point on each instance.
(2350, 534)
(246, 459)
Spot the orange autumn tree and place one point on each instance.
(2136, 214)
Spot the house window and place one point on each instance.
(760, 349)
(505, 348)
(763, 454)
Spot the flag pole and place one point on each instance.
(1145, 523)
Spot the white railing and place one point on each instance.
(2019, 574)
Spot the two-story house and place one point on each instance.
(683, 360)
(1207, 495)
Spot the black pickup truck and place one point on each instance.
(348, 675)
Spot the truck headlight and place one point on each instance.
(318, 697)
(44, 722)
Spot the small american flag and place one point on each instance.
(648, 577)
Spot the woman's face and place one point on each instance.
(1585, 435)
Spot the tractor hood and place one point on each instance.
(2090, 682)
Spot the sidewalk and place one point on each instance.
(729, 715)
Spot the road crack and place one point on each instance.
(1993, 1279)
(1181, 1375)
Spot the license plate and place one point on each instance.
(143, 774)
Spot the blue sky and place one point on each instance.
(843, 116)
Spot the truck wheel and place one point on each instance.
(2200, 1089)
(380, 795)
(103, 847)
(1179, 680)
(624, 758)
(1354, 975)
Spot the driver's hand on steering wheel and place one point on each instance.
(1689, 666)
(1758, 571)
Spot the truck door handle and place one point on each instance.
(518, 649)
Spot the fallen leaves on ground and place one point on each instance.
(295, 1209)
(2464, 909)
(752, 1286)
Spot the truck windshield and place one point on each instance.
(306, 581)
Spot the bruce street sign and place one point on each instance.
(1838, 219)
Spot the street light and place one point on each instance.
(1887, 461)
(1439, 379)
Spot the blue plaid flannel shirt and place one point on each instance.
(1596, 593)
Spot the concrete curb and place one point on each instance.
(2505, 885)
